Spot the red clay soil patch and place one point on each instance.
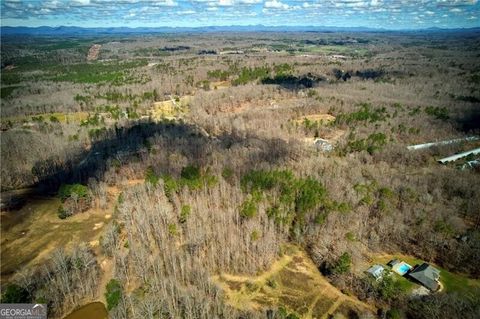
(93, 52)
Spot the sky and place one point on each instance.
(388, 14)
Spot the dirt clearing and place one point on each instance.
(292, 282)
(93, 52)
(174, 108)
(322, 118)
(32, 232)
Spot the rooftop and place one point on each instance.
(376, 271)
(426, 275)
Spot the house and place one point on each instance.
(427, 275)
(376, 271)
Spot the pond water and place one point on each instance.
(93, 310)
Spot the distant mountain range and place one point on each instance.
(64, 30)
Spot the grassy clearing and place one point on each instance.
(220, 85)
(173, 108)
(292, 282)
(93, 310)
(74, 117)
(170, 109)
(31, 233)
(322, 119)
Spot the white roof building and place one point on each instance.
(376, 271)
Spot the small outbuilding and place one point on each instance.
(376, 271)
(393, 262)
(427, 275)
(323, 145)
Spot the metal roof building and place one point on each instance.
(426, 275)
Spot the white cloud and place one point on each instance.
(164, 3)
(250, 1)
(456, 2)
(274, 4)
(351, 4)
(225, 3)
(81, 2)
(170, 3)
(186, 12)
(368, 12)
(307, 5)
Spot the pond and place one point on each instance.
(93, 310)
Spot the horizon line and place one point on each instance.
(240, 26)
